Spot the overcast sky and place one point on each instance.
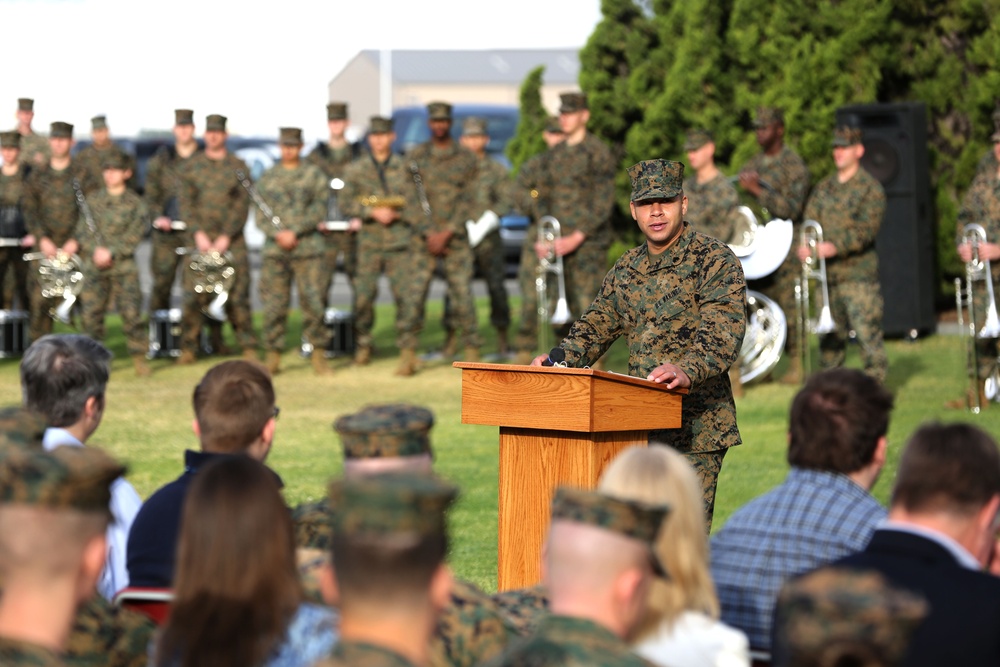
(262, 64)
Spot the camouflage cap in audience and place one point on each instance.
(439, 111)
(20, 427)
(379, 125)
(99, 123)
(115, 160)
(10, 139)
(215, 123)
(59, 129)
(552, 125)
(845, 135)
(656, 179)
(25, 104)
(631, 518)
(385, 430)
(290, 136)
(695, 139)
(473, 126)
(183, 117)
(390, 504)
(572, 102)
(336, 111)
(66, 478)
(768, 115)
(831, 610)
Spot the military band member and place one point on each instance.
(12, 226)
(379, 198)
(34, 147)
(850, 205)
(91, 158)
(297, 194)
(779, 180)
(214, 205)
(448, 174)
(119, 219)
(162, 192)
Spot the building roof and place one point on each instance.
(488, 66)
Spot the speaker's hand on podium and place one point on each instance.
(670, 375)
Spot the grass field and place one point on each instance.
(148, 423)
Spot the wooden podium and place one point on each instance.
(557, 426)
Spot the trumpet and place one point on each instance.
(548, 232)
(59, 276)
(976, 269)
(813, 268)
(213, 274)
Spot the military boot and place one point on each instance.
(141, 367)
(187, 358)
(362, 356)
(736, 380)
(216, 341)
(407, 363)
(320, 364)
(273, 362)
(471, 354)
(794, 373)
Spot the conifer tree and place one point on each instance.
(527, 140)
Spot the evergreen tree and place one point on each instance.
(527, 140)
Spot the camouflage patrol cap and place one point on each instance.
(115, 160)
(66, 478)
(336, 111)
(183, 117)
(439, 111)
(572, 102)
(474, 126)
(767, 115)
(10, 139)
(631, 518)
(215, 123)
(656, 179)
(25, 104)
(290, 136)
(844, 135)
(552, 125)
(20, 427)
(99, 123)
(695, 139)
(386, 430)
(62, 130)
(379, 125)
(835, 609)
(390, 504)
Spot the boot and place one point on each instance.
(471, 354)
(407, 363)
(362, 356)
(794, 373)
(273, 362)
(141, 367)
(736, 380)
(250, 354)
(320, 364)
(523, 358)
(450, 345)
(219, 347)
(187, 358)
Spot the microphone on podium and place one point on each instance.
(557, 357)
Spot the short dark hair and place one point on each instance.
(389, 569)
(951, 467)
(232, 404)
(59, 372)
(836, 421)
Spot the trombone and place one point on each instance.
(548, 232)
(813, 268)
(977, 268)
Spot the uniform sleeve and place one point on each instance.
(973, 209)
(784, 199)
(188, 199)
(316, 211)
(155, 193)
(240, 209)
(591, 335)
(31, 205)
(350, 195)
(470, 203)
(861, 228)
(599, 195)
(134, 229)
(265, 187)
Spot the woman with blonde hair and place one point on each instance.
(681, 626)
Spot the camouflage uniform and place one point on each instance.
(213, 201)
(396, 250)
(523, 608)
(35, 150)
(711, 205)
(106, 635)
(91, 159)
(525, 199)
(121, 221)
(14, 653)
(12, 225)
(685, 306)
(361, 654)
(851, 214)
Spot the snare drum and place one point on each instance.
(341, 326)
(165, 334)
(13, 333)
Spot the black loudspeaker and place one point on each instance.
(895, 138)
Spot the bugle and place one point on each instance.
(549, 231)
(813, 269)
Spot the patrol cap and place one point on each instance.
(474, 126)
(378, 431)
(10, 139)
(215, 123)
(290, 136)
(20, 427)
(439, 111)
(59, 129)
(552, 125)
(630, 518)
(115, 160)
(656, 179)
(572, 102)
(336, 111)
(183, 117)
(767, 115)
(99, 123)
(844, 135)
(833, 605)
(696, 138)
(66, 478)
(25, 104)
(390, 505)
(379, 125)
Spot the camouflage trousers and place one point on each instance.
(237, 306)
(456, 267)
(118, 288)
(339, 244)
(488, 257)
(707, 466)
(856, 305)
(278, 271)
(15, 291)
(163, 263)
(780, 288)
(409, 273)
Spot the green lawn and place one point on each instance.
(148, 423)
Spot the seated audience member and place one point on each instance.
(234, 415)
(600, 562)
(941, 534)
(53, 522)
(840, 617)
(388, 578)
(64, 377)
(822, 511)
(237, 595)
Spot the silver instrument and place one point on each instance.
(88, 216)
(214, 273)
(549, 231)
(258, 200)
(977, 269)
(765, 337)
(761, 247)
(59, 277)
(813, 269)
